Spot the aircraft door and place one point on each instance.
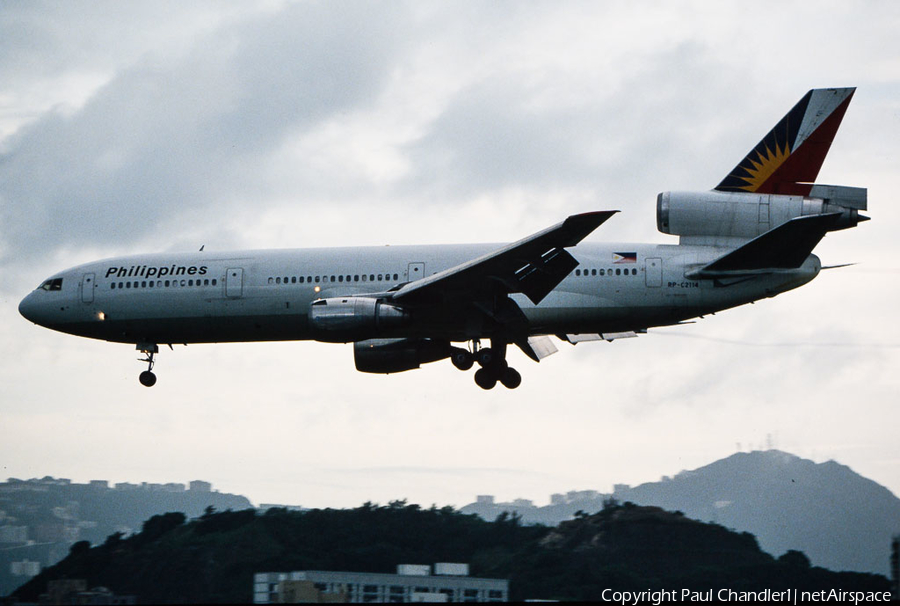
(415, 271)
(234, 282)
(653, 272)
(87, 288)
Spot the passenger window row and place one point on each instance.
(342, 278)
(163, 283)
(608, 272)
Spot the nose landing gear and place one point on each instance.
(147, 378)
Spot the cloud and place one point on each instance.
(170, 139)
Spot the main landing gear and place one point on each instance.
(493, 364)
(147, 378)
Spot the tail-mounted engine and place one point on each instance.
(342, 319)
(747, 215)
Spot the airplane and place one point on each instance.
(749, 238)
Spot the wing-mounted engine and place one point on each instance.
(385, 356)
(343, 319)
(702, 216)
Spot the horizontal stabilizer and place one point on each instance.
(785, 247)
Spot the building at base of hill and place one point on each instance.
(412, 583)
(75, 591)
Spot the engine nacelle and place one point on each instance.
(747, 215)
(385, 356)
(353, 318)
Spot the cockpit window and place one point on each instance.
(54, 284)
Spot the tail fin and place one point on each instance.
(788, 159)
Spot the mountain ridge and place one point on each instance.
(838, 518)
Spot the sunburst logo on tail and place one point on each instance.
(804, 135)
(759, 170)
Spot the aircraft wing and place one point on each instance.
(532, 266)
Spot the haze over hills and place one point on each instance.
(839, 519)
(41, 518)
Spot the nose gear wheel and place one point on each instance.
(147, 378)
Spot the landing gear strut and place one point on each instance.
(147, 378)
(493, 364)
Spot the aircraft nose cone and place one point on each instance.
(28, 308)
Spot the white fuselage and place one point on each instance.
(265, 295)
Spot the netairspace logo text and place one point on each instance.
(790, 596)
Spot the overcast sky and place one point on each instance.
(164, 126)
